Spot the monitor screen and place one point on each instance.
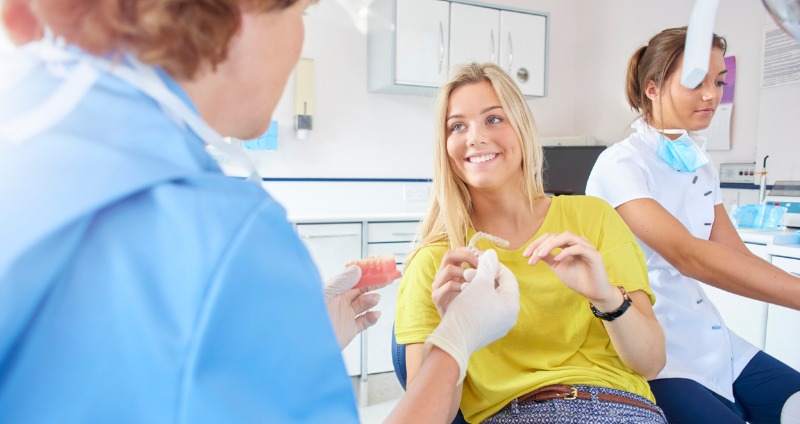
(567, 168)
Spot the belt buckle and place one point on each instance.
(573, 395)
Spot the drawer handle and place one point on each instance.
(404, 234)
(321, 236)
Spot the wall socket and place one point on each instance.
(416, 193)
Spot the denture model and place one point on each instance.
(376, 269)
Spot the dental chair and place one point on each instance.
(399, 362)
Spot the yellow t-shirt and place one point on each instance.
(557, 339)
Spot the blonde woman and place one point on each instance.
(586, 339)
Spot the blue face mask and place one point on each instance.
(682, 154)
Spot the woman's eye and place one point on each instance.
(457, 127)
(494, 120)
(721, 83)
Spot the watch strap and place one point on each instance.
(611, 316)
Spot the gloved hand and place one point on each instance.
(480, 314)
(346, 306)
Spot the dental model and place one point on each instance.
(376, 269)
(497, 241)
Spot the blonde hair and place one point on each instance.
(449, 213)
(179, 35)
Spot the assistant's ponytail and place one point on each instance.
(633, 88)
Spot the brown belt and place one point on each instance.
(561, 391)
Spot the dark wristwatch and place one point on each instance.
(611, 316)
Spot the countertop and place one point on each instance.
(354, 217)
(784, 243)
(785, 237)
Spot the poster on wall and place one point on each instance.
(780, 58)
(718, 133)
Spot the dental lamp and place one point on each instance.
(786, 14)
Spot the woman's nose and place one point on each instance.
(476, 137)
(709, 91)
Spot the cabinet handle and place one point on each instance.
(441, 46)
(404, 234)
(491, 40)
(510, 54)
(321, 236)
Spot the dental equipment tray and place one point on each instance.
(786, 193)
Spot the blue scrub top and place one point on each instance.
(140, 284)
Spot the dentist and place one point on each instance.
(137, 282)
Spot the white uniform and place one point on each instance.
(699, 345)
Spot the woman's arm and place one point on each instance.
(484, 310)
(723, 261)
(446, 287)
(436, 384)
(419, 379)
(637, 335)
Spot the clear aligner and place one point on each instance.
(497, 241)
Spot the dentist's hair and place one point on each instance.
(448, 215)
(656, 62)
(181, 36)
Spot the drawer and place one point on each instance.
(399, 250)
(759, 250)
(789, 265)
(383, 232)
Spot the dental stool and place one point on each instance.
(399, 362)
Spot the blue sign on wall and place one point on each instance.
(268, 141)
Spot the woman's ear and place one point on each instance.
(651, 91)
(20, 22)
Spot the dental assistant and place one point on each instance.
(137, 282)
(667, 190)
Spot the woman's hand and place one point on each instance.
(579, 265)
(450, 277)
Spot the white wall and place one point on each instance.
(764, 121)
(364, 135)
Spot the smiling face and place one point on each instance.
(482, 147)
(678, 107)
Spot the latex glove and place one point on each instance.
(348, 307)
(484, 311)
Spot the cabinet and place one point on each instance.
(331, 246)
(516, 41)
(386, 238)
(746, 317)
(782, 341)
(408, 45)
(413, 44)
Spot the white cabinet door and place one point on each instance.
(474, 34)
(523, 49)
(391, 238)
(746, 317)
(331, 247)
(423, 34)
(784, 323)
(407, 46)
(412, 45)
